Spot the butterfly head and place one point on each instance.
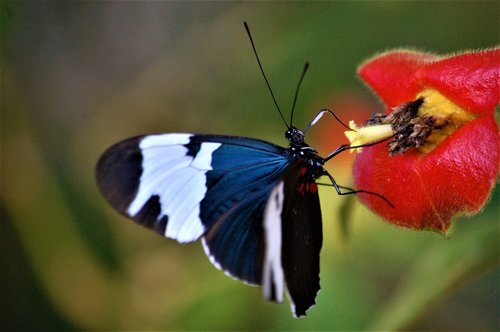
(295, 136)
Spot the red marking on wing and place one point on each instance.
(309, 187)
(313, 187)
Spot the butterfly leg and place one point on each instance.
(345, 147)
(350, 191)
(320, 115)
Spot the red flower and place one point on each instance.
(455, 169)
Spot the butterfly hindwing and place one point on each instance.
(244, 173)
(273, 280)
(234, 243)
(293, 233)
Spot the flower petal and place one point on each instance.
(471, 79)
(428, 190)
(392, 75)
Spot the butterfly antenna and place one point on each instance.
(263, 74)
(306, 66)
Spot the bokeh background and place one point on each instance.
(79, 76)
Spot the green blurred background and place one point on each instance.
(79, 76)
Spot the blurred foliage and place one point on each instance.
(441, 269)
(76, 77)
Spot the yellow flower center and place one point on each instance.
(445, 115)
(442, 110)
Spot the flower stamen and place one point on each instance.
(422, 123)
(361, 136)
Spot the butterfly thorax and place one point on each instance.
(305, 154)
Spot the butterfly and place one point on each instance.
(254, 204)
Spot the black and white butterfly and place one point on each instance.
(255, 205)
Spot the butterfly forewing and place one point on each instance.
(150, 178)
(183, 185)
